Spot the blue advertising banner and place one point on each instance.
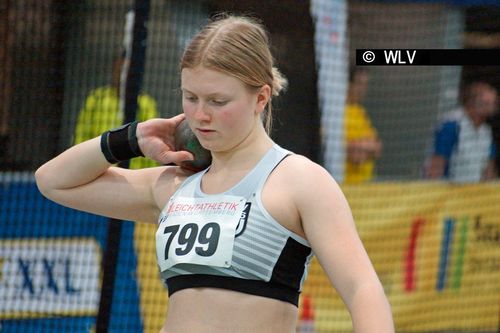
(50, 265)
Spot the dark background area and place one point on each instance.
(32, 52)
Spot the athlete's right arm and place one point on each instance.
(82, 178)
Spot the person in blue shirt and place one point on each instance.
(463, 149)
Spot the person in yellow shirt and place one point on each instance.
(363, 146)
(101, 112)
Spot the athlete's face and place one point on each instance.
(220, 109)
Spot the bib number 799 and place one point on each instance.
(190, 235)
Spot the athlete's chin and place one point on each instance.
(209, 145)
(216, 146)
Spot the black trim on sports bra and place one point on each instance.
(252, 287)
(290, 267)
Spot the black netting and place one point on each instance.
(434, 244)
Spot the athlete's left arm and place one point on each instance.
(329, 227)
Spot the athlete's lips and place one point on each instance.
(204, 131)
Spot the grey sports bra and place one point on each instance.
(255, 255)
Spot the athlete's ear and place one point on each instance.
(263, 97)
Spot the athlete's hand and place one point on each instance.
(156, 140)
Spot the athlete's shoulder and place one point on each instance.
(165, 181)
(307, 182)
(304, 170)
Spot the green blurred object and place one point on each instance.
(186, 140)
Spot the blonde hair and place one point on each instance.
(237, 46)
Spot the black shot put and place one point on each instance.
(185, 139)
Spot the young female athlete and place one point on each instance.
(234, 240)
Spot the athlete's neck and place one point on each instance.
(244, 156)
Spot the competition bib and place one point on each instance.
(198, 231)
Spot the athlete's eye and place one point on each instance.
(191, 99)
(217, 102)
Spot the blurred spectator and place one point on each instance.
(363, 146)
(463, 149)
(101, 112)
